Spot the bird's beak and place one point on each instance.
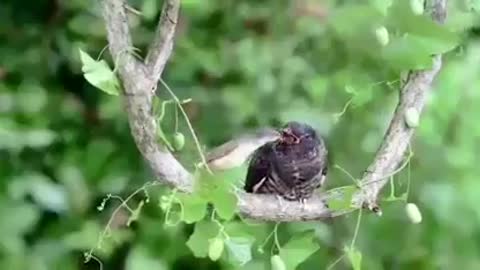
(288, 136)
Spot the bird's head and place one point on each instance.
(295, 132)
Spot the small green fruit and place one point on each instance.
(178, 141)
(215, 248)
(417, 6)
(277, 263)
(412, 117)
(382, 35)
(413, 213)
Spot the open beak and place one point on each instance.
(289, 137)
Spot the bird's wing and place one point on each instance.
(258, 168)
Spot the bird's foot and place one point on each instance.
(303, 201)
(283, 207)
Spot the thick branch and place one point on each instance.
(162, 45)
(120, 42)
(138, 97)
(138, 77)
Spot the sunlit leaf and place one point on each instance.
(215, 248)
(39, 137)
(225, 203)
(22, 217)
(217, 190)
(344, 201)
(354, 256)
(194, 207)
(150, 9)
(298, 249)
(239, 249)
(141, 258)
(49, 195)
(99, 74)
(198, 242)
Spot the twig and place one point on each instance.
(162, 45)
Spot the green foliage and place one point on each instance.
(218, 191)
(240, 249)
(298, 249)
(355, 257)
(195, 207)
(215, 248)
(99, 74)
(343, 201)
(199, 241)
(67, 155)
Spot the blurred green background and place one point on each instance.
(65, 145)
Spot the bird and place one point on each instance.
(239, 150)
(291, 167)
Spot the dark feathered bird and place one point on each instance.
(292, 166)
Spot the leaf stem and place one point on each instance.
(190, 127)
(89, 254)
(357, 227)
(357, 183)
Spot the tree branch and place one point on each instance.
(162, 45)
(137, 78)
(120, 41)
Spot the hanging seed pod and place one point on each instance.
(412, 117)
(382, 35)
(178, 141)
(277, 263)
(215, 248)
(413, 213)
(417, 6)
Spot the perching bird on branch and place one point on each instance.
(291, 167)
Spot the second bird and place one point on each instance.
(292, 166)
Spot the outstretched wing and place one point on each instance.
(258, 168)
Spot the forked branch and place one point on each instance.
(140, 78)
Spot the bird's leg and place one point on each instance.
(303, 201)
(280, 201)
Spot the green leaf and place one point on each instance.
(352, 21)
(198, 242)
(194, 207)
(99, 74)
(39, 137)
(19, 218)
(215, 248)
(298, 249)
(215, 189)
(150, 9)
(354, 256)
(140, 258)
(404, 53)
(49, 195)
(87, 237)
(225, 203)
(239, 249)
(381, 5)
(405, 21)
(344, 201)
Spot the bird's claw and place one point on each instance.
(280, 201)
(303, 201)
